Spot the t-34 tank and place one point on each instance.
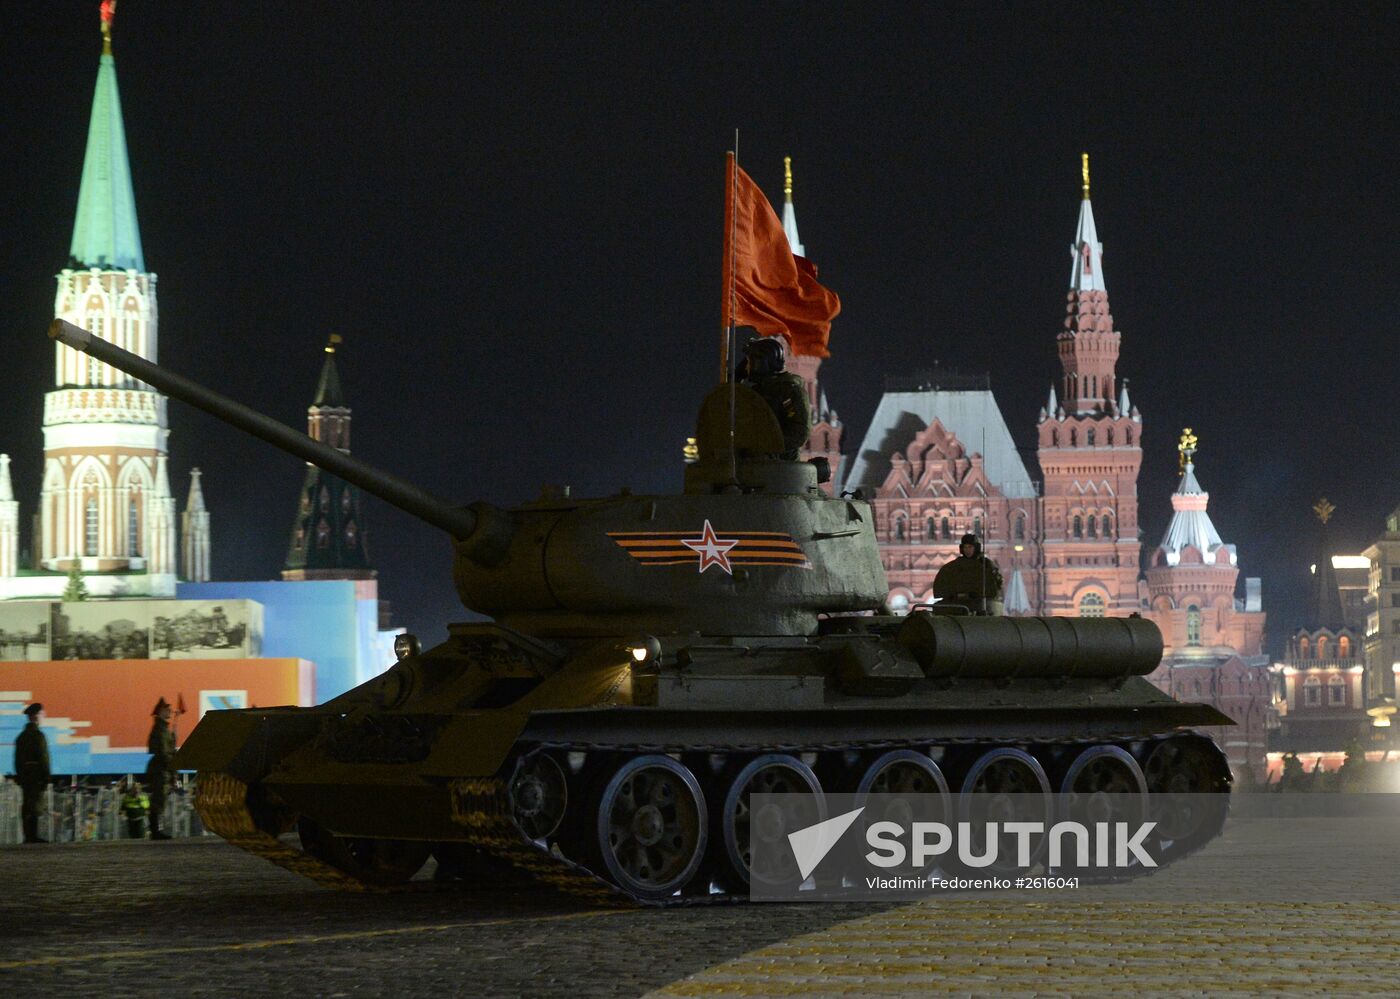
(653, 660)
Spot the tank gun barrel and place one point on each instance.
(458, 522)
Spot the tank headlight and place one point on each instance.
(644, 649)
(406, 645)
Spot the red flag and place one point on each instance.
(766, 285)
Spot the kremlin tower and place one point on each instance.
(1213, 639)
(825, 439)
(328, 536)
(1090, 450)
(105, 506)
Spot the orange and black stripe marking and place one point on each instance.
(740, 548)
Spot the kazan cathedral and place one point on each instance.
(938, 461)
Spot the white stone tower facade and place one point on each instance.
(105, 505)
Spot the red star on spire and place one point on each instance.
(711, 549)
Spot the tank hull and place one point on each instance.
(426, 776)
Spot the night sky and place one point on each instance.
(513, 214)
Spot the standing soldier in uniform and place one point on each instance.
(971, 579)
(160, 772)
(32, 771)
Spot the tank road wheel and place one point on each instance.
(1005, 785)
(743, 826)
(1187, 778)
(1105, 785)
(379, 862)
(539, 795)
(652, 827)
(912, 789)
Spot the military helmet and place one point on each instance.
(762, 356)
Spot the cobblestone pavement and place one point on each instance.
(201, 918)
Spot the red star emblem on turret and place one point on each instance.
(712, 550)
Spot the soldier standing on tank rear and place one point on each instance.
(970, 578)
(32, 772)
(160, 772)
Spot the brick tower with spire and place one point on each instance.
(1090, 450)
(105, 506)
(328, 536)
(825, 439)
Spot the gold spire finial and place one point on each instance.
(1323, 509)
(1186, 447)
(787, 177)
(107, 10)
(1084, 169)
(333, 342)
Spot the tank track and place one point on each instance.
(222, 803)
(483, 807)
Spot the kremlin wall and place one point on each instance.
(117, 605)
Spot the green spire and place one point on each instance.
(105, 233)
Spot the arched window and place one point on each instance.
(1322, 646)
(1084, 389)
(1018, 530)
(325, 500)
(1089, 437)
(1055, 437)
(931, 532)
(1344, 647)
(1128, 436)
(1091, 605)
(1193, 625)
(977, 526)
(899, 529)
(1093, 527)
(1304, 647)
(1074, 438)
(1107, 526)
(323, 535)
(1336, 692)
(133, 526)
(1078, 526)
(1312, 692)
(1108, 434)
(947, 530)
(90, 526)
(1093, 389)
(350, 534)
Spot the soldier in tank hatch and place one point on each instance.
(32, 771)
(971, 578)
(160, 772)
(762, 370)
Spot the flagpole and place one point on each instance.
(731, 344)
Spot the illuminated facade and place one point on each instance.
(1321, 678)
(105, 507)
(939, 461)
(1383, 610)
(1213, 639)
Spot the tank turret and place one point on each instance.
(653, 661)
(772, 553)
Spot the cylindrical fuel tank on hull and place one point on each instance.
(952, 647)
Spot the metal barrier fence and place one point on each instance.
(75, 813)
